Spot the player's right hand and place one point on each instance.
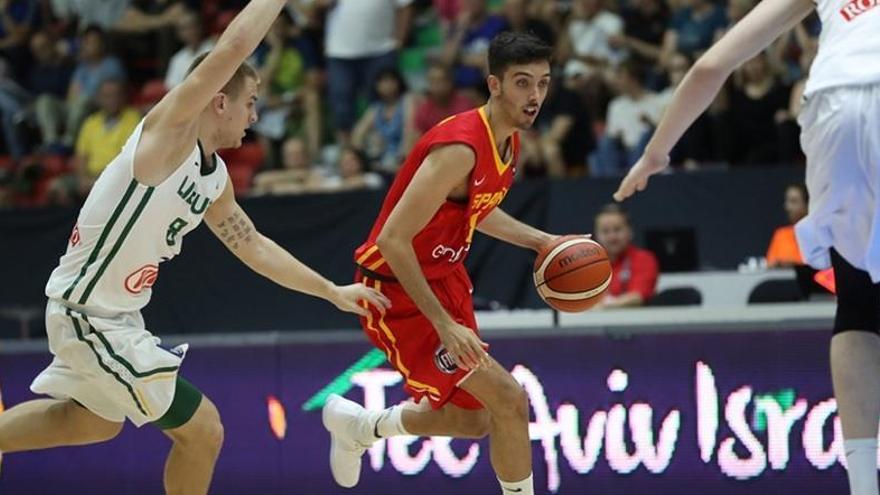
(637, 178)
(468, 351)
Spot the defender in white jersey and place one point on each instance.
(840, 135)
(167, 178)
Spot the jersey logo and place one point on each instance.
(197, 204)
(479, 181)
(142, 278)
(855, 8)
(441, 251)
(74, 236)
(444, 362)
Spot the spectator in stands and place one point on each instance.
(783, 249)
(635, 270)
(586, 45)
(696, 144)
(290, 88)
(441, 99)
(362, 38)
(102, 136)
(758, 104)
(386, 131)
(468, 43)
(191, 33)
(48, 81)
(117, 15)
(447, 12)
(519, 19)
(630, 122)
(352, 175)
(562, 136)
(17, 19)
(736, 10)
(693, 28)
(95, 66)
(13, 106)
(790, 150)
(297, 176)
(645, 23)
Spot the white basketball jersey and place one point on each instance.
(126, 229)
(849, 46)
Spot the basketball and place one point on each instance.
(572, 273)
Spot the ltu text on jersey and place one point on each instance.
(192, 197)
(855, 8)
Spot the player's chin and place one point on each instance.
(525, 124)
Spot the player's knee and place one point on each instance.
(212, 432)
(477, 426)
(204, 431)
(513, 402)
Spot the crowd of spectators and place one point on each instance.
(349, 85)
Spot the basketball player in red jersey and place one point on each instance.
(449, 186)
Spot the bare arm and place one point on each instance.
(501, 225)
(443, 171)
(756, 31)
(402, 24)
(363, 127)
(188, 99)
(628, 300)
(235, 229)
(643, 48)
(135, 20)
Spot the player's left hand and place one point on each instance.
(348, 298)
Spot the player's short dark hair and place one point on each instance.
(509, 48)
(613, 209)
(236, 83)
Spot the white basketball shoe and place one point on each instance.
(351, 434)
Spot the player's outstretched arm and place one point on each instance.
(500, 225)
(445, 169)
(236, 230)
(766, 22)
(187, 100)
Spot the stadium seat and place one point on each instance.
(676, 296)
(776, 291)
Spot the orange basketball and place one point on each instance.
(572, 273)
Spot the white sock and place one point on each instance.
(388, 423)
(861, 461)
(523, 487)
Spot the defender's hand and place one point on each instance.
(348, 297)
(637, 178)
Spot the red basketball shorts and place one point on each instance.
(411, 344)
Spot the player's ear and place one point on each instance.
(494, 84)
(220, 102)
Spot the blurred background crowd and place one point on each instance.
(349, 85)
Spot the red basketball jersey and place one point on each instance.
(444, 242)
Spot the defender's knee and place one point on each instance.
(204, 431)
